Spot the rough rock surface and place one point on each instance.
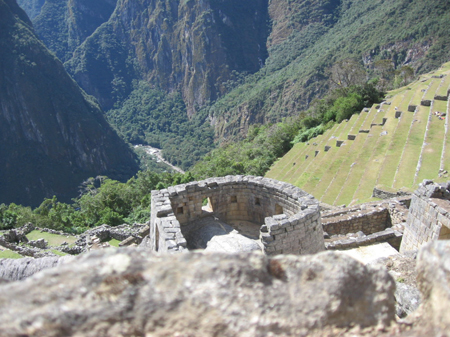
(39, 243)
(433, 279)
(19, 269)
(232, 242)
(402, 267)
(407, 298)
(128, 292)
(220, 237)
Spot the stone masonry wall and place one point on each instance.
(388, 235)
(366, 221)
(429, 216)
(366, 224)
(287, 217)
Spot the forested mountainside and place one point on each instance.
(238, 63)
(309, 37)
(31, 7)
(180, 74)
(186, 46)
(52, 135)
(64, 24)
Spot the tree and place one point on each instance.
(403, 76)
(386, 72)
(348, 72)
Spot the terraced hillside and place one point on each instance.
(393, 145)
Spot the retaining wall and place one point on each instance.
(371, 222)
(367, 221)
(389, 235)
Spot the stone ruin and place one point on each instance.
(366, 224)
(245, 213)
(235, 213)
(429, 218)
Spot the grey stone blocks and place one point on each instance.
(286, 215)
(428, 215)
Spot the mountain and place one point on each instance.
(31, 7)
(187, 46)
(64, 24)
(247, 62)
(52, 135)
(309, 37)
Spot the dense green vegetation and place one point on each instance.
(341, 104)
(316, 47)
(102, 201)
(31, 7)
(63, 25)
(254, 155)
(149, 116)
(53, 135)
(264, 144)
(307, 40)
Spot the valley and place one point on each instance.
(156, 155)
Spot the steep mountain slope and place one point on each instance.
(52, 135)
(188, 46)
(243, 62)
(393, 145)
(64, 24)
(31, 7)
(308, 37)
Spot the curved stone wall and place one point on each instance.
(284, 218)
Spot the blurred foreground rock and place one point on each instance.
(128, 292)
(433, 279)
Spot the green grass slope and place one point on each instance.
(398, 143)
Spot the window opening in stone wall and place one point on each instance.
(180, 210)
(257, 202)
(233, 199)
(207, 205)
(444, 233)
(278, 209)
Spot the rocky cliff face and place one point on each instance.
(52, 135)
(189, 46)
